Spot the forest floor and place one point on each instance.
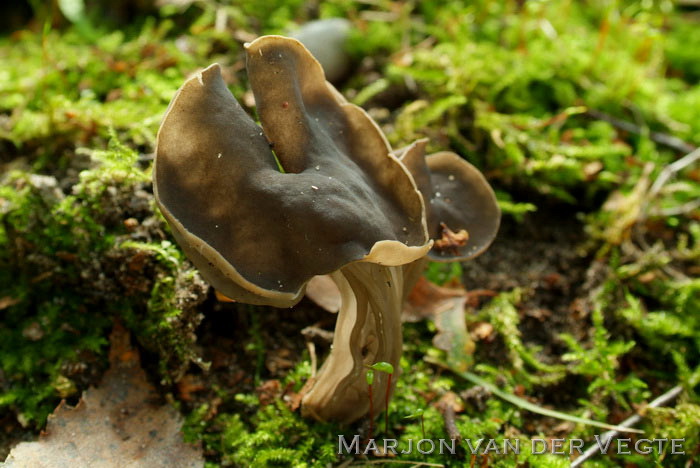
(583, 116)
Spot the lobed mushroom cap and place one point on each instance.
(456, 195)
(258, 234)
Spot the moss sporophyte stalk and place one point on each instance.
(394, 203)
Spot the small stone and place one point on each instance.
(326, 39)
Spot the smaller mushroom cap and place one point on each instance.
(456, 196)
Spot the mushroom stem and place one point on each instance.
(368, 330)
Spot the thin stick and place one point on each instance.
(386, 409)
(663, 177)
(312, 331)
(657, 137)
(684, 209)
(448, 414)
(526, 405)
(671, 169)
(631, 421)
(312, 354)
(371, 413)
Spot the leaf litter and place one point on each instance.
(121, 423)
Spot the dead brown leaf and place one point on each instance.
(188, 385)
(451, 241)
(121, 423)
(292, 399)
(222, 298)
(426, 298)
(269, 391)
(445, 306)
(7, 301)
(452, 336)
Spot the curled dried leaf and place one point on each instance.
(451, 241)
(117, 424)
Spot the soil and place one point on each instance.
(252, 349)
(542, 256)
(249, 347)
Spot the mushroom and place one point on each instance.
(316, 190)
(462, 212)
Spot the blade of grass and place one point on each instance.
(526, 405)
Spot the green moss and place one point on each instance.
(441, 273)
(508, 85)
(274, 436)
(58, 259)
(502, 313)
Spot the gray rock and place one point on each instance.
(327, 39)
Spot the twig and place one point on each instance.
(671, 169)
(657, 137)
(684, 209)
(526, 405)
(312, 354)
(312, 331)
(631, 421)
(448, 414)
(663, 177)
(446, 406)
(345, 463)
(485, 460)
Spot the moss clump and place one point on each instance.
(531, 92)
(66, 277)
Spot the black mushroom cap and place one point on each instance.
(458, 199)
(257, 233)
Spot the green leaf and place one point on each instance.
(416, 415)
(383, 367)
